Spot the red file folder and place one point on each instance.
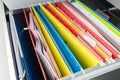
(67, 12)
(73, 31)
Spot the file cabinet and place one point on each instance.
(115, 3)
(7, 67)
(7, 71)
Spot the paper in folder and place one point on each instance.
(58, 58)
(39, 47)
(53, 39)
(64, 49)
(32, 66)
(83, 55)
(50, 56)
(43, 30)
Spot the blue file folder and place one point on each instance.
(75, 66)
(33, 71)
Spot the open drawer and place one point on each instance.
(10, 64)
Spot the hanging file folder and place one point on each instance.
(65, 50)
(74, 32)
(74, 26)
(59, 40)
(39, 47)
(52, 60)
(114, 52)
(59, 61)
(86, 37)
(32, 66)
(102, 23)
(104, 31)
(57, 45)
(92, 44)
(108, 24)
(82, 54)
(103, 34)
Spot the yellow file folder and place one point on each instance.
(59, 61)
(76, 28)
(83, 54)
(64, 17)
(46, 46)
